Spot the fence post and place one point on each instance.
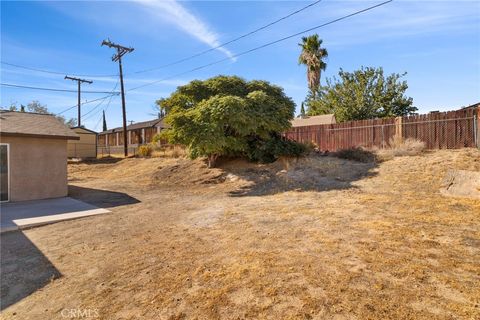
(475, 130)
(383, 137)
(398, 127)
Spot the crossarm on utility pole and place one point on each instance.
(121, 50)
(79, 82)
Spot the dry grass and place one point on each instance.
(170, 152)
(383, 245)
(145, 150)
(398, 147)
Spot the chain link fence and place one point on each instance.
(447, 130)
(108, 151)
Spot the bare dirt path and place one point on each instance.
(325, 239)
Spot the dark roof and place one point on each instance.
(139, 125)
(28, 124)
(475, 105)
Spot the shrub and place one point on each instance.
(169, 151)
(157, 138)
(270, 150)
(178, 152)
(220, 116)
(145, 150)
(356, 154)
(405, 147)
(311, 146)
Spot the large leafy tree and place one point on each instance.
(313, 57)
(226, 115)
(363, 94)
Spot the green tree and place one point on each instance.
(316, 104)
(363, 94)
(226, 115)
(313, 56)
(302, 110)
(104, 127)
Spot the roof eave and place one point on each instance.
(43, 136)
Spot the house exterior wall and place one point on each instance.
(86, 147)
(38, 168)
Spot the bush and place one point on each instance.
(270, 150)
(405, 147)
(145, 150)
(220, 116)
(311, 146)
(356, 154)
(157, 138)
(169, 151)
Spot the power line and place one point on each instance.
(94, 108)
(237, 55)
(105, 109)
(183, 59)
(49, 89)
(79, 85)
(90, 101)
(86, 102)
(99, 104)
(230, 41)
(55, 72)
(121, 51)
(265, 45)
(98, 122)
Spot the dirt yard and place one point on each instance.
(318, 238)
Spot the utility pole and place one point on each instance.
(79, 82)
(121, 50)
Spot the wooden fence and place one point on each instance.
(440, 130)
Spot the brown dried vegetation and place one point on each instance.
(315, 238)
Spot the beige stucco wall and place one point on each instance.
(86, 147)
(38, 168)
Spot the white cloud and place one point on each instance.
(402, 19)
(177, 14)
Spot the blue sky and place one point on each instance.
(436, 42)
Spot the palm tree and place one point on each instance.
(313, 56)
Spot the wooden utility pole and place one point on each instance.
(79, 82)
(121, 50)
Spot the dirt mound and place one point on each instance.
(461, 183)
(187, 172)
(314, 173)
(309, 173)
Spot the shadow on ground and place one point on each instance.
(103, 160)
(24, 268)
(101, 198)
(306, 174)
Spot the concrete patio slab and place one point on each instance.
(26, 214)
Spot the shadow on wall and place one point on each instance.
(314, 173)
(101, 198)
(24, 268)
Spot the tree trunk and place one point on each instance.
(212, 159)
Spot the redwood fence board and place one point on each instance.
(440, 130)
